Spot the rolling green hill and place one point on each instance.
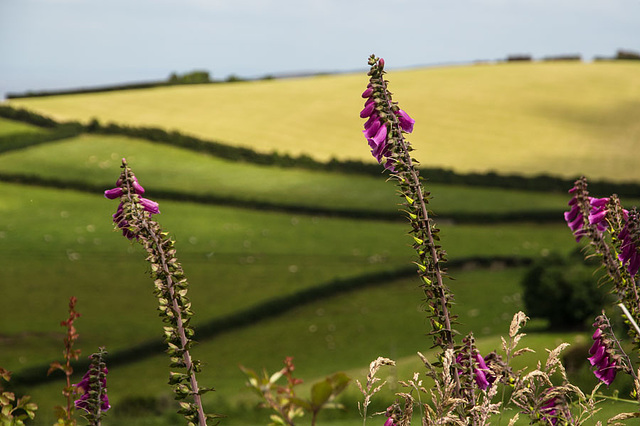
(251, 236)
(527, 118)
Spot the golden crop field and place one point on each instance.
(564, 118)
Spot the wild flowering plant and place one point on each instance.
(133, 218)
(65, 413)
(286, 402)
(466, 384)
(93, 390)
(613, 234)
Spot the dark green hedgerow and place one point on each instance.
(548, 216)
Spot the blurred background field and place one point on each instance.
(262, 237)
(527, 118)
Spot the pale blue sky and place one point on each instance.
(49, 44)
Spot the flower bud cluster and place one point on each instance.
(129, 191)
(585, 209)
(93, 386)
(384, 118)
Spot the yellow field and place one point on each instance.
(528, 118)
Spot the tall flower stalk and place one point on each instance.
(93, 386)
(65, 414)
(134, 218)
(385, 131)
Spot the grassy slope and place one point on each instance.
(60, 243)
(8, 127)
(563, 118)
(94, 159)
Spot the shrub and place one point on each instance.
(563, 290)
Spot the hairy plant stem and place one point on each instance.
(425, 223)
(186, 356)
(154, 243)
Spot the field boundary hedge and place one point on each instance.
(541, 182)
(264, 310)
(541, 216)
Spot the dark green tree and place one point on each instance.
(564, 290)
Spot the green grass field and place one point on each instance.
(95, 158)
(561, 118)
(57, 243)
(9, 127)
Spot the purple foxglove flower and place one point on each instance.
(381, 135)
(574, 219)
(114, 193)
(597, 217)
(605, 367)
(389, 422)
(129, 234)
(576, 224)
(381, 63)
(481, 379)
(623, 234)
(629, 255)
(150, 205)
(372, 129)
(84, 383)
(598, 202)
(372, 118)
(137, 187)
(634, 263)
(368, 92)
(390, 165)
(368, 109)
(481, 363)
(572, 214)
(379, 151)
(85, 386)
(599, 356)
(607, 374)
(406, 122)
(549, 409)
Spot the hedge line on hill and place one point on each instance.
(195, 77)
(221, 150)
(268, 309)
(245, 203)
